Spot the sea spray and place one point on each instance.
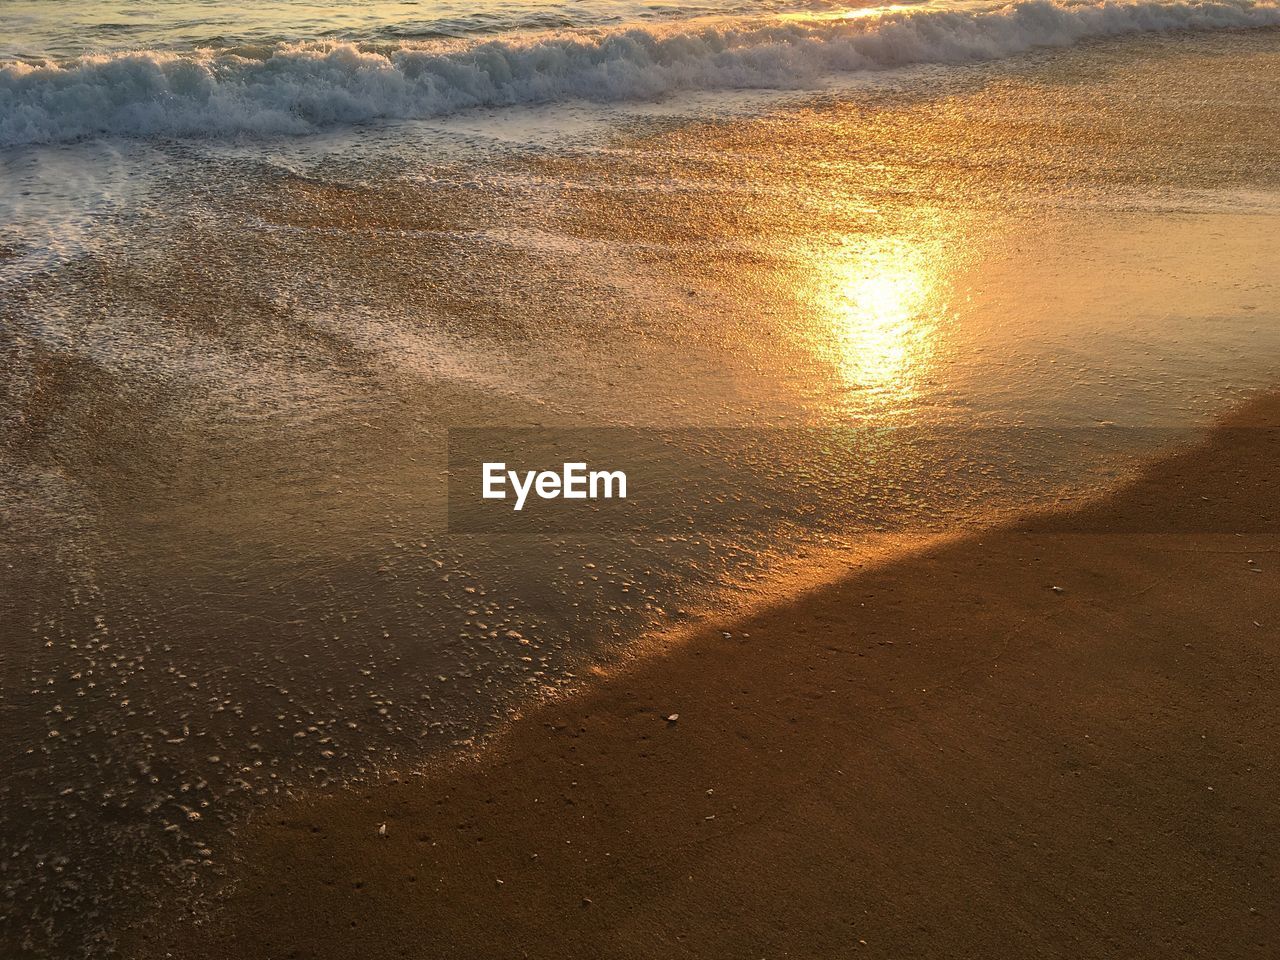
(298, 88)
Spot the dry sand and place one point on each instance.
(942, 756)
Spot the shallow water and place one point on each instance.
(906, 301)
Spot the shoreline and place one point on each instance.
(940, 755)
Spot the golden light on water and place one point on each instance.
(874, 11)
(876, 319)
(860, 13)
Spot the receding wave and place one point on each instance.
(298, 88)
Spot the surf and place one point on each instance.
(292, 89)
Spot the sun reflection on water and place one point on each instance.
(877, 312)
(876, 11)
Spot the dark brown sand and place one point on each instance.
(941, 756)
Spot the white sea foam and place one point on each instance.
(301, 87)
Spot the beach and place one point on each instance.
(1049, 739)
(935, 340)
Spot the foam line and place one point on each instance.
(298, 88)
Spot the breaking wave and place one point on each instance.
(297, 88)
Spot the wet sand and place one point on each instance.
(1050, 739)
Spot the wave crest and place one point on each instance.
(298, 88)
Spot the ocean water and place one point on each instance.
(850, 275)
(138, 69)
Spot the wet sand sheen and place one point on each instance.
(1040, 740)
